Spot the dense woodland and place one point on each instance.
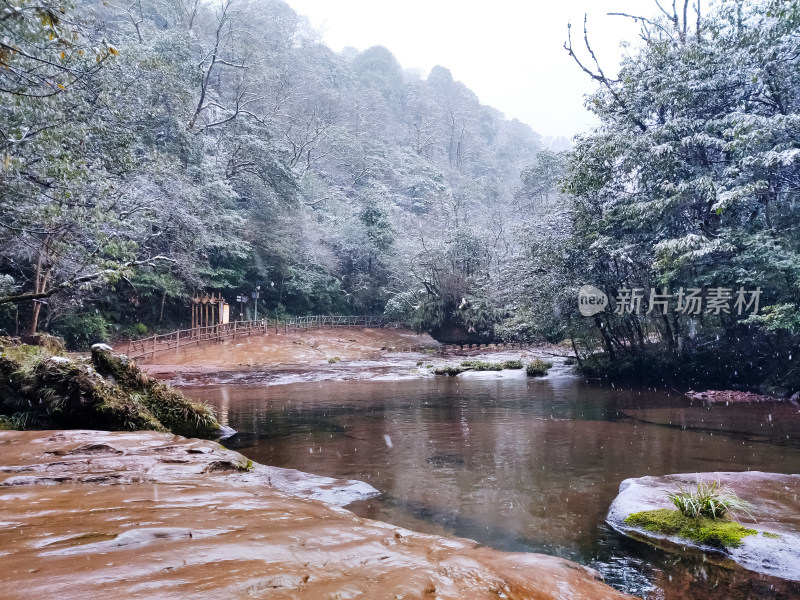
(152, 150)
(220, 146)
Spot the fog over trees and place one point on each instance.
(149, 150)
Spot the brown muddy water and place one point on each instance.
(518, 464)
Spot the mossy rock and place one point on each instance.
(451, 371)
(479, 365)
(717, 534)
(174, 411)
(110, 393)
(53, 344)
(118, 367)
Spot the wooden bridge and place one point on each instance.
(149, 346)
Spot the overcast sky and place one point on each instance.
(509, 52)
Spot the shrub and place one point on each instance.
(334, 360)
(134, 331)
(538, 368)
(513, 364)
(80, 331)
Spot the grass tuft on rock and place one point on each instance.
(708, 500)
(716, 533)
(39, 389)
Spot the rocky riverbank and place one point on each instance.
(150, 515)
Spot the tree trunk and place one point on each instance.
(163, 301)
(40, 281)
(606, 339)
(41, 285)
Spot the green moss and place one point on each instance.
(334, 360)
(118, 367)
(479, 365)
(21, 353)
(769, 534)
(248, 466)
(451, 371)
(538, 368)
(720, 533)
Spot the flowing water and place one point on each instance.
(517, 463)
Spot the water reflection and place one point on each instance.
(518, 463)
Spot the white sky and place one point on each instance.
(509, 52)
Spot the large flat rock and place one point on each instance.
(146, 515)
(83, 456)
(775, 506)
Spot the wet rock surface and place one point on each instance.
(84, 456)
(775, 548)
(183, 518)
(729, 396)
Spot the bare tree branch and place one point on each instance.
(642, 20)
(70, 283)
(599, 76)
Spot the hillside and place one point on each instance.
(197, 147)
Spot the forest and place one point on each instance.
(153, 150)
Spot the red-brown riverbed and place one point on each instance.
(150, 515)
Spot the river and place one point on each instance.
(518, 463)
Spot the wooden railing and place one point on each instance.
(181, 338)
(320, 321)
